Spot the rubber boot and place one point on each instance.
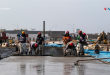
(16, 48)
(30, 53)
(21, 53)
(37, 52)
(70, 53)
(26, 53)
(64, 53)
(75, 54)
(82, 53)
(79, 53)
(40, 52)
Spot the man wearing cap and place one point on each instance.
(80, 43)
(22, 43)
(66, 39)
(40, 41)
(70, 48)
(33, 46)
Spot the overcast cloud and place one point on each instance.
(87, 15)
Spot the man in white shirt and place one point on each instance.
(33, 46)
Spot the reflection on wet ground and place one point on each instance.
(46, 65)
(81, 70)
(68, 68)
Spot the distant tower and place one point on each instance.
(77, 30)
(32, 28)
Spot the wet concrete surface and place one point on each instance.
(47, 65)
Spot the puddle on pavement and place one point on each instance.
(42, 66)
(51, 69)
(48, 66)
(81, 69)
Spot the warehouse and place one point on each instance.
(31, 35)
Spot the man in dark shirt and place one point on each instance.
(40, 41)
(80, 43)
(70, 48)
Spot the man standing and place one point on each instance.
(66, 39)
(81, 42)
(22, 43)
(40, 41)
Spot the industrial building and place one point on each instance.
(92, 36)
(32, 35)
(77, 30)
(74, 36)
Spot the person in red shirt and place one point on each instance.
(66, 39)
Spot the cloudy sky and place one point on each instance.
(59, 15)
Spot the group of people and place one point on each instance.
(81, 41)
(33, 45)
(36, 45)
